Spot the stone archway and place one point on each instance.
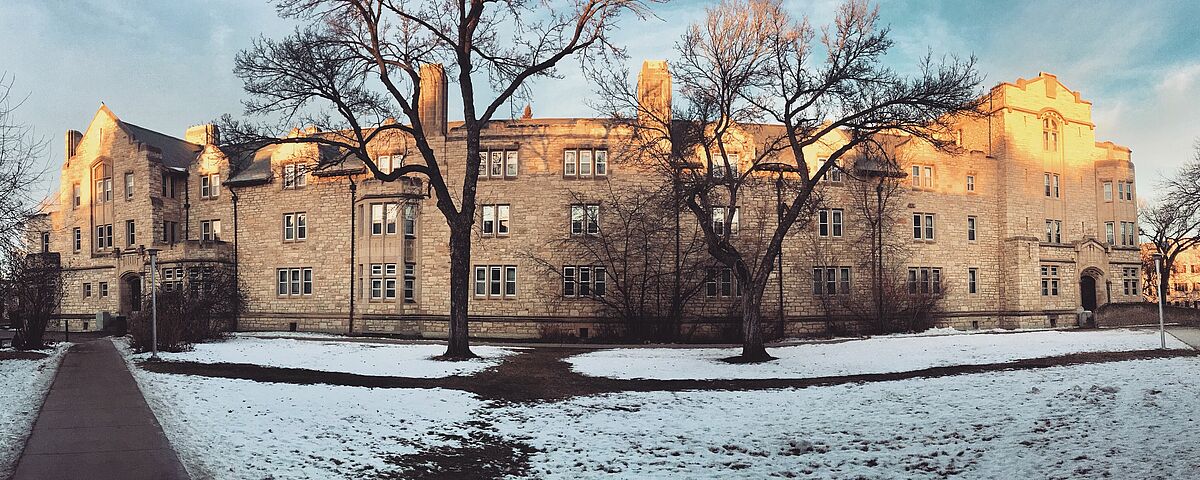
(131, 294)
(1090, 282)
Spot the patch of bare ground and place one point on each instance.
(541, 374)
(481, 454)
(19, 355)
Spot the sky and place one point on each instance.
(167, 65)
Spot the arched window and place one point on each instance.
(1050, 133)
(104, 191)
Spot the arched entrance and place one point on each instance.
(1087, 292)
(131, 294)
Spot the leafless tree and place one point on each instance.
(1172, 222)
(358, 63)
(645, 286)
(749, 62)
(198, 308)
(21, 170)
(32, 287)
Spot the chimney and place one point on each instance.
(202, 135)
(72, 142)
(654, 92)
(431, 107)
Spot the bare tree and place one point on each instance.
(749, 62)
(630, 254)
(33, 287)
(21, 152)
(359, 63)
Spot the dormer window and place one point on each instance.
(722, 166)
(1050, 134)
(389, 163)
(295, 175)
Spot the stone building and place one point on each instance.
(1030, 220)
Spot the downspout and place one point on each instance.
(187, 206)
(353, 223)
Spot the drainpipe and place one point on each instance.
(236, 278)
(353, 220)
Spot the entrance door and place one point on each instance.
(133, 293)
(1087, 292)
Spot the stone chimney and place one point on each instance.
(71, 143)
(431, 107)
(654, 91)
(202, 134)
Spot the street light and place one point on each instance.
(779, 168)
(1162, 331)
(153, 303)
(882, 169)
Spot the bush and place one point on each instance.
(32, 293)
(201, 310)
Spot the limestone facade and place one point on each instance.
(1030, 178)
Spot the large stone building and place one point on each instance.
(1030, 220)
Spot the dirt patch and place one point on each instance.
(19, 355)
(541, 374)
(481, 454)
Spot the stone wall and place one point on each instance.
(1143, 313)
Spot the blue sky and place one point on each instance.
(167, 65)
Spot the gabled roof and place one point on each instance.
(177, 153)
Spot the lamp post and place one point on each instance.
(153, 303)
(1162, 331)
(779, 168)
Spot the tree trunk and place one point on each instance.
(458, 345)
(753, 349)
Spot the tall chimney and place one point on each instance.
(431, 107)
(654, 92)
(202, 134)
(71, 143)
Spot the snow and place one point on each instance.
(398, 360)
(241, 429)
(23, 385)
(872, 355)
(1132, 419)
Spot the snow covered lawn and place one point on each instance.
(397, 360)
(1133, 419)
(873, 355)
(23, 385)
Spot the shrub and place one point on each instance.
(202, 309)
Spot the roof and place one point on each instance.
(175, 152)
(254, 167)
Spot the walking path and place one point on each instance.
(1188, 335)
(94, 424)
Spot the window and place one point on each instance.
(391, 216)
(601, 157)
(130, 233)
(722, 166)
(376, 219)
(104, 236)
(922, 176)
(1050, 280)
(923, 226)
(87, 290)
(1129, 191)
(972, 280)
(1049, 134)
(498, 164)
(1051, 184)
(210, 230)
(165, 181)
(829, 222)
(834, 174)
(210, 185)
(1053, 231)
(831, 280)
(970, 228)
(78, 238)
(924, 281)
(76, 195)
(104, 187)
(388, 277)
(585, 219)
(1129, 280)
(585, 162)
(103, 289)
(1124, 191)
(389, 163)
(1108, 191)
(495, 281)
(295, 175)
(582, 281)
(495, 219)
(970, 183)
(45, 242)
(410, 282)
(719, 217)
(719, 282)
(129, 186)
(295, 226)
(170, 231)
(294, 282)
(1109, 235)
(410, 221)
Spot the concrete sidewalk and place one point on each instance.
(94, 424)
(1188, 335)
